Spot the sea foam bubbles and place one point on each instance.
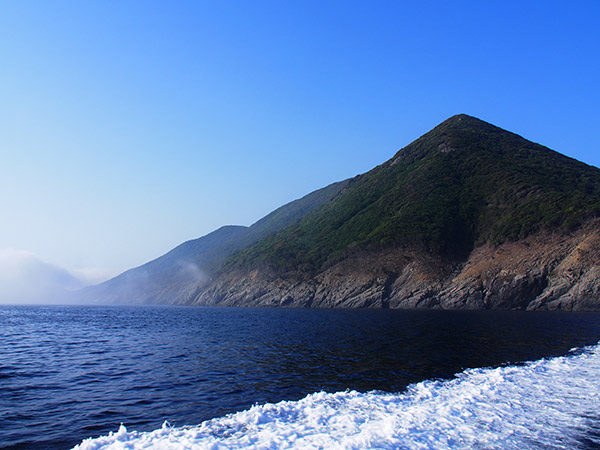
(550, 403)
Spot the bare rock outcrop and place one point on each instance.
(544, 271)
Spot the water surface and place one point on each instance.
(67, 373)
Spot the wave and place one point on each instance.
(551, 403)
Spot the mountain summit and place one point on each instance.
(467, 216)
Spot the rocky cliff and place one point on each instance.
(547, 271)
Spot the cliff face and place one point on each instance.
(543, 271)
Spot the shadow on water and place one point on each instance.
(589, 437)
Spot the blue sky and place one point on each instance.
(127, 128)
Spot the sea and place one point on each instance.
(95, 377)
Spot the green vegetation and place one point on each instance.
(175, 276)
(463, 183)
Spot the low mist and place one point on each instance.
(26, 279)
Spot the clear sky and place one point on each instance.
(127, 128)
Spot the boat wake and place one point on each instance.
(551, 403)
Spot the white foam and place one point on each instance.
(550, 404)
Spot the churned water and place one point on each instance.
(289, 378)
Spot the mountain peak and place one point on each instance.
(463, 116)
(438, 138)
(460, 118)
(465, 133)
(466, 123)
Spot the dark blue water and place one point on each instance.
(67, 373)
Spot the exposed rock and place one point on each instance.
(545, 271)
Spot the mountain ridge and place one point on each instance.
(403, 233)
(178, 274)
(431, 205)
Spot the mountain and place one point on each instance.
(467, 216)
(177, 276)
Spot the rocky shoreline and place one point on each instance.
(546, 271)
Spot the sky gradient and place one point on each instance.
(127, 128)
